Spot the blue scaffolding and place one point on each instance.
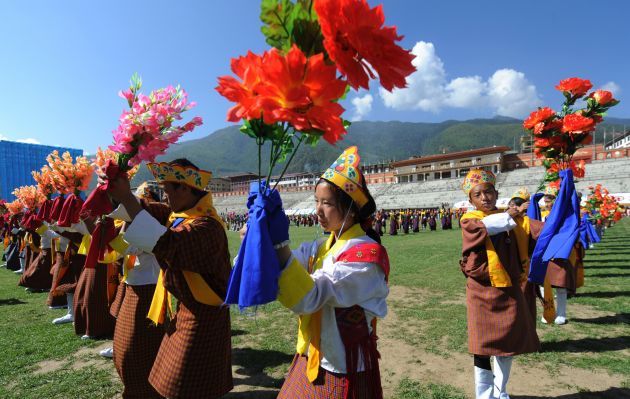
(18, 160)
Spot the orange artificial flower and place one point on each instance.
(537, 119)
(576, 124)
(575, 86)
(287, 88)
(244, 94)
(603, 97)
(357, 41)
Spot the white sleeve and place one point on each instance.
(498, 223)
(121, 213)
(347, 284)
(144, 232)
(80, 227)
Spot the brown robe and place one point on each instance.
(529, 289)
(194, 360)
(500, 321)
(93, 295)
(136, 340)
(37, 274)
(562, 274)
(67, 271)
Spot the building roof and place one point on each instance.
(450, 155)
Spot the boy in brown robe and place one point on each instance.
(500, 323)
(188, 239)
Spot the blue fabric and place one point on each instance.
(590, 230)
(254, 278)
(584, 238)
(560, 232)
(533, 210)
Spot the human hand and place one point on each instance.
(523, 207)
(119, 188)
(513, 212)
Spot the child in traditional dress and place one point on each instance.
(494, 254)
(188, 239)
(338, 287)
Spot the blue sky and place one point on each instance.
(63, 62)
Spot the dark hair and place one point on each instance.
(549, 197)
(183, 162)
(518, 201)
(345, 203)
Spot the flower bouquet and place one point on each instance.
(144, 132)
(80, 174)
(290, 95)
(47, 189)
(14, 207)
(557, 136)
(30, 199)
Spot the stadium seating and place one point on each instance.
(613, 174)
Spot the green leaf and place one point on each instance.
(276, 16)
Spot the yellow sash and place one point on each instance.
(309, 326)
(201, 291)
(499, 277)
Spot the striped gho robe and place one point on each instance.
(194, 359)
(500, 322)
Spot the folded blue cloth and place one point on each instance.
(533, 210)
(254, 278)
(560, 232)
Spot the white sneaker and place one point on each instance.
(65, 319)
(108, 353)
(19, 272)
(542, 320)
(58, 307)
(84, 337)
(560, 320)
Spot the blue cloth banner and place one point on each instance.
(590, 230)
(561, 229)
(533, 210)
(254, 277)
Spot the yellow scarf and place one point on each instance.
(498, 275)
(200, 290)
(310, 325)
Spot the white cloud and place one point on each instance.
(510, 94)
(612, 87)
(26, 140)
(507, 92)
(466, 92)
(362, 106)
(425, 88)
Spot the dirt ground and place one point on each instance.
(402, 360)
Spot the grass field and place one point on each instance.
(422, 340)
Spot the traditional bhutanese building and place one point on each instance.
(448, 166)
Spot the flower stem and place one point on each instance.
(297, 147)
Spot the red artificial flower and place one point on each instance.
(576, 124)
(537, 119)
(576, 86)
(555, 184)
(602, 97)
(242, 93)
(357, 41)
(579, 170)
(287, 88)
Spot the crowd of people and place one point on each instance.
(337, 286)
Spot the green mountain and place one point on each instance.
(228, 151)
